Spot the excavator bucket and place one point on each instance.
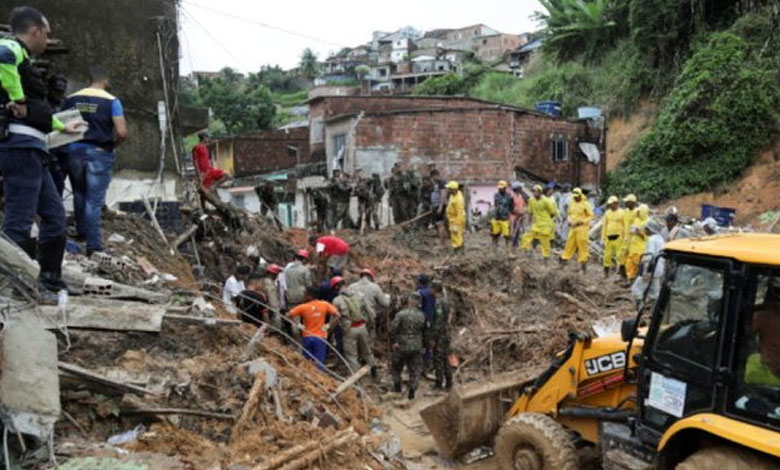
(470, 416)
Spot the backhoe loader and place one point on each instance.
(695, 387)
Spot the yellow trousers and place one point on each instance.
(632, 265)
(544, 242)
(499, 227)
(622, 253)
(577, 241)
(612, 252)
(456, 235)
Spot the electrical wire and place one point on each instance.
(264, 25)
(213, 38)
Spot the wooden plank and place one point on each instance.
(362, 372)
(104, 314)
(202, 321)
(90, 376)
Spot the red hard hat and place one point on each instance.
(303, 253)
(273, 269)
(369, 272)
(336, 281)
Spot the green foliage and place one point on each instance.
(243, 106)
(720, 114)
(454, 84)
(308, 66)
(448, 84)
(289, 99)
(362, 71)
(274, 78)
(575, 28)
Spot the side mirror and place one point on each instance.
(627, 329)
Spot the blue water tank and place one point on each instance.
(553, 108)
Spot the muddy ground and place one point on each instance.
(512, 313)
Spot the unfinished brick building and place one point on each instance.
(467, 139)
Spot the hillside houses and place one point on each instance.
(403, 59)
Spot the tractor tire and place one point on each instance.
(533, 441)
(727, 458)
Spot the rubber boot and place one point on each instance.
(411, 394)
(50, 278)
(622, 271)
(606, 272)
(397, 387)
(584, 268)
(448, 383)
(374, 374)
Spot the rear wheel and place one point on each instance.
(726, 458)
(533, 441)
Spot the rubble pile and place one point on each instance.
(508, 310)
(174, 382)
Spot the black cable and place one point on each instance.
(264, 25)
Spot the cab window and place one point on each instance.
(757, 393)
(688, 331)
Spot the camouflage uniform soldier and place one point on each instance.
(375, 298)
(408, 333)
(396, 186)
(365, 199)
(379, 192)
(411, 190)
(354, 317)
(320, 201)
(440, 333)
(339, 191)
(269, 201)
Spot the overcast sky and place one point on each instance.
(246, 34)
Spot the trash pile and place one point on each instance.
(146, 370)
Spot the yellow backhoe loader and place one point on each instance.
(697, 388)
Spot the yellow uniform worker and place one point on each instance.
(542, 211)
(637, 243)
(612, 230)
(629, 214)
(579, 217)
(456, 215)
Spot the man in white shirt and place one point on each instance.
(235, 284)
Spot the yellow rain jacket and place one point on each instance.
(542, 211)
(456, 216)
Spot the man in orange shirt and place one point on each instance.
(315, 316)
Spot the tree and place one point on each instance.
(362, 71)
(579, 27)
(309, 67)
(243, 106)
(273, 77)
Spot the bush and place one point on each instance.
(719, 115)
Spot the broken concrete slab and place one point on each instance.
(29, 384)
(103, 314)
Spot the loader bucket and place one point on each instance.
(470, 416)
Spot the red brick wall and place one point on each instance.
(479, 144)
(266, 151)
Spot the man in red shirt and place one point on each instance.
(200, 158)
(315, 317)
(332, 249)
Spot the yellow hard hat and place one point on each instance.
(612, 200)
(502, 184)
(577, 191)
(538, 187)
(453, 185)
(629, 198)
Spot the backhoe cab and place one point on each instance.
(708, 382)
(697, 388)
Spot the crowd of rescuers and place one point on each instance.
(337, 317)
(34, 173)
